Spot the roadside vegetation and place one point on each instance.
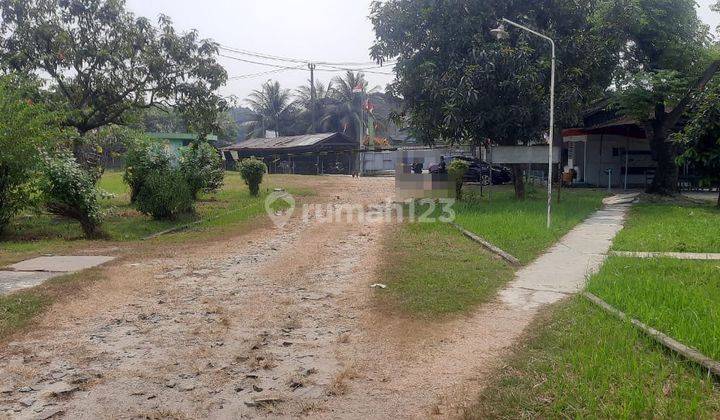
(671, 227)
(519, 226)
(431, 269)
(580, 362)
(34, 233)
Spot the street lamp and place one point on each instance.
(501, 33)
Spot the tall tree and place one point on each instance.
(305, 104)
(700, 139)
(460, 85)
(665, 64)
(345, 112)
(104, 63)
(273, 107)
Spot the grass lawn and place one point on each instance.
(679, 298)
(519, 227)
(32, 233)
(431, 269)
(657, 227)
(581, 363)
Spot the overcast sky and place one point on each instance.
(335, 31)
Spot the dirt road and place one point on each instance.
(278, 322)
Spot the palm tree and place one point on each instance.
(322, 100)
(273, 108)
(345, 112)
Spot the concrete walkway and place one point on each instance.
(565, 268)
(36, 271)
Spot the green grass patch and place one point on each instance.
(519, 227)
(671, 228)
(431, 269)
(18, 310)
(679, 298)
(582, 363)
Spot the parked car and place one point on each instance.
(480, 171)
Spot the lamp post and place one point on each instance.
(500, 33)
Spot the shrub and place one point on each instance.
(457, 170)
(252, 171)
(143, 157)
(26, 129)
(202, 167)
(69, 191)
(165, 194)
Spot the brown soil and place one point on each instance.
(276, 322)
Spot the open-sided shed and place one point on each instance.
(311, 154)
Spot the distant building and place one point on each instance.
(174, 141)
(609, 149)
(311, 154)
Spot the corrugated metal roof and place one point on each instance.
(283, 142)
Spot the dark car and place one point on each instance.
(480, 171)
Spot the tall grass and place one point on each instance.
(680, 298)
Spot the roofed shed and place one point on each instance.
(311, 154)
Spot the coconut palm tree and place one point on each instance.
(323, 99)
(273, 109)
(345, 113)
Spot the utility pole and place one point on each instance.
(313, 98)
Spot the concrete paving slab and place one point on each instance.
(12, 281)
(565, 268)
(64, 264)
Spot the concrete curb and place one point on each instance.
(489, 246)
(698, 256)
(688, 352)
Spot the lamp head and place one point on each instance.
(500, 33)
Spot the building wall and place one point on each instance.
(611, 152)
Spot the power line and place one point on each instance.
(256, 62)
(295, 60)
(264, 73)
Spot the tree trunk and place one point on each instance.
(718, 203)
(518, 181)
(667, 173)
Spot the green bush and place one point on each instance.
(252, 171)
(457, 170)
(69, 191)
(202, 167)
(164, 194)
(26, 128)
(143, 157)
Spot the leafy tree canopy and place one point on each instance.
(666, 60)
(460, 84)
(701, 137)
(103, 62)
(26, 130)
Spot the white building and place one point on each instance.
(616, 151)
